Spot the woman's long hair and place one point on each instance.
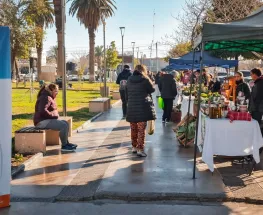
(50, 87)
(143, 70)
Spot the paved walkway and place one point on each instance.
(104, 168)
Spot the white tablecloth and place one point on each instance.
(184, 107)
(239, 138)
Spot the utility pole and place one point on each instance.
(142, 57)
(157, 58)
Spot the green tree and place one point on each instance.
(99, 50)
(52, 55)
(11, 15)
(179, 50)
(39, 13)
(91, 13)
(112, 60)
(226, 11)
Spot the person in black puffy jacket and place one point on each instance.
(140, 107)
(122, 81)
(167, 86)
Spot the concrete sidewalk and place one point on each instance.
(104, 167)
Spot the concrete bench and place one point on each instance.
(31, 140)
(116, 95)
(99, 105)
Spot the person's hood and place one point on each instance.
(126, 71)
(46, 92)
(167, 77)
(137, 77)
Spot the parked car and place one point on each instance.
(74, 78)
(246, 74)
(85, 77)
(29, 77)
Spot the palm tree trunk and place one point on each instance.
(91, 53)
(39, 59)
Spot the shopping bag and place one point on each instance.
(151, 127)
(160, 103)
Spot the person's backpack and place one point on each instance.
(123, 84)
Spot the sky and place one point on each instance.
(137, 18)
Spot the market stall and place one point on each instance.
(242, 35)
(222, 137)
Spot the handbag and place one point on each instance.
(160, 103)
(151, 127)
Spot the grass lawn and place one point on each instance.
(77, 103)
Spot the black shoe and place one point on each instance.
(73, 145)
(67, 148)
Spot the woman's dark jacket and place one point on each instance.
(45, 108)
(256, 99)
(244, 88)
(167, 87)
(140, 103)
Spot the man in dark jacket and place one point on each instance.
(256, 100)
(122, 81)
(167, 86)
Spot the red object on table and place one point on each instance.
(242, 116)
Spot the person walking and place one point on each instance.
(167, 86)
(256, 99)
(122, 81)
(141, 108)
(46, 115)
(157, 79)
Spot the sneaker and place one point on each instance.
(73, 145)
(134, 150)
(67, 148)
(141, 153)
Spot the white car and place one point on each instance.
(85, 77)
(29, 77)
(247, 76)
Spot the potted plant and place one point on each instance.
(176, 114)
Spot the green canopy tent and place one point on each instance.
(242, 35)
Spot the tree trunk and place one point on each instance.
(39, 59)
(13, 58)
(91, 54)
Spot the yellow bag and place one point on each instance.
(151, 127)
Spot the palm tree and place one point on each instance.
(99, 50)
(41, 14)
(91, 13)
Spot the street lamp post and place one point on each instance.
(142, 57)
(133, 45)
(122, 37)
(104, 53)
(138, 49)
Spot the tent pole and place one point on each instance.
(198, 107)
(190, 97)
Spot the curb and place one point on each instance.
(26, 164)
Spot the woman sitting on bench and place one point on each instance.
(46, 115)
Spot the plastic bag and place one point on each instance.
(151, 127)
(160, 103)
